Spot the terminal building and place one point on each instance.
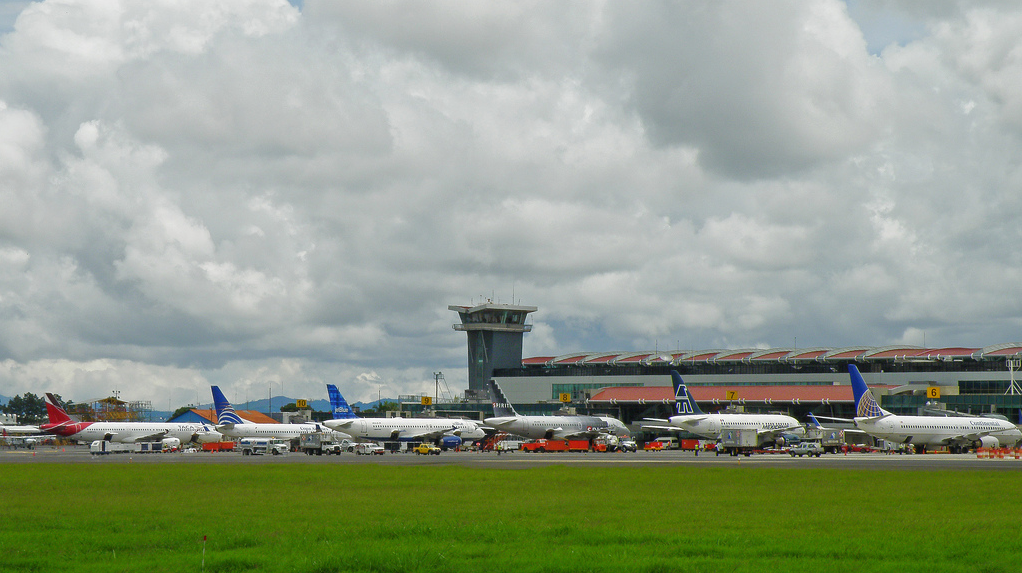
(795, 381)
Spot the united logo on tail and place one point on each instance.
(866, 405)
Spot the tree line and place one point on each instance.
(29, 408)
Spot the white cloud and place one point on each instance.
(249, 195)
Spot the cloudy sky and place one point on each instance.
(269, 196)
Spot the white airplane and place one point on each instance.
(62, 425)
(233, 426)
(449, 431)
(769, 427)
(956, 432)
(506, 419)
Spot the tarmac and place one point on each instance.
(518, 459)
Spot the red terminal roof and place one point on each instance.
(894, 352)
(948, 353)
(734, 356)
(770, 355)
(702, 356)
(633, 358)
(1011, 349)
(718, 394)
(570, 359)
(899, 352)
(808, 354)
(602, 359)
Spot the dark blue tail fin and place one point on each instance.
(225, 413)
(338, 405)
(501, 407)
(866, 405)
(683, 401)
(814, 422)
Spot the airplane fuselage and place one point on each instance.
(712, 425)
(406, 429)
(130, 431)
(938, 431)
(278, 431)
(555, 427)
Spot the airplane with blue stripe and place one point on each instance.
(448, 431)
(955, 432)
(230, 424)
(770, 428)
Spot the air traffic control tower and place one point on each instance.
(494, 339)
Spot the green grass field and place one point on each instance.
(322, 518)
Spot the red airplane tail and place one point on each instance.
(56, 414)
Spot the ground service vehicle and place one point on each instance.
(628, 446)
(218, 446)
(663, 443)
(319, 443)
(104, 447)
(556, 446)
(832, 440)
(261, 446)
(369, 449)
(738, 442)
(806, 449)
(426, 449)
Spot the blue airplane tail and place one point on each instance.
(866, 405)
(683, 401)
(225, 413)
(815, 423)
(338, 405)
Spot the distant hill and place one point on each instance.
(278, 401)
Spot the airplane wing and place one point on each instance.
(432, 434)
(773, 433)
(692, 420)
(342, 422)
(590, 434)
(849, 420)
(154, 437)
(658, 427)
(560, 433)
(129, 438)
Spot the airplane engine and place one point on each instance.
(987, 442)
(787, 440)
(450, 442)
(207, 434)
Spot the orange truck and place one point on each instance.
(556, 446)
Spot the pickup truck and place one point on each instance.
(806, 449)
(368, 449)
(426, 450)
